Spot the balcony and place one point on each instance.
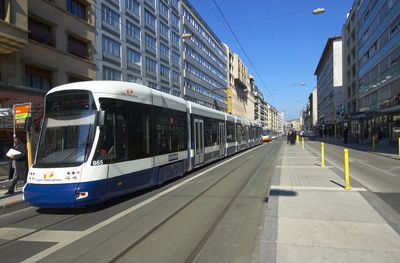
(14, 35)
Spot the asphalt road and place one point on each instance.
(210, 215)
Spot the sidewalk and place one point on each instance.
(10, 203)
(381, 148)
(311, 218)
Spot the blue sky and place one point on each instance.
(283, 40)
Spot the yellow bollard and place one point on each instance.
(322, 155)
(399, 146)
(302, 143)
(297, 139)
(346, 169)
(373, 143)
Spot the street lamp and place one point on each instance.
(186, 36)
(318, 11)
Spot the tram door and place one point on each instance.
(198, 141)
(221, 137)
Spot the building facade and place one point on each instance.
(350, 61)
(141, 41)
(271, 119)
(378, 69)
(43, 44)
(330, 84)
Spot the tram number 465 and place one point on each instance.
(97, 162)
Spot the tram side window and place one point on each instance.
(139, 131)
(230, 131)
(208, 132)
(125, 134)
(105, 150)
(239, 132)
(170, 131)
(121, 137)
(215, 127)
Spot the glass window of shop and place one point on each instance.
(381, 126)
(7, 100)
(396, 127)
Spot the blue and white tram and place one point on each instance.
(103, 139)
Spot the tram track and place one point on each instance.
(46, 227)
(197, 249)
(259, 155)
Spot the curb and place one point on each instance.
(13, 206)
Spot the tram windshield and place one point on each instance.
(68, 129)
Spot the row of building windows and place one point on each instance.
(205, 49)
(202, 32)
(191, 99)
(383, 39)
(78, 9)
(132, 30)
(198, 73)
(110, 17)
(113, 47)
(112, 74)
(204, 62)
(199, 89)
(387, 69)
(44, 33)
(133, 5)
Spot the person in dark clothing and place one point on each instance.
(19, 164)
(289, 136)
(345, 135)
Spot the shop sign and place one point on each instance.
(390, 102)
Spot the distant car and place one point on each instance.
(312, 134)
(273, 136)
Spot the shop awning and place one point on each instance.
(391, 109)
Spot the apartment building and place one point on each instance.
(280, 123)
(378, 27)
(141, 41)
(259, 104)
(350, 59)
(43, 44)
(205, 62)
(329, 83)
(271, 119)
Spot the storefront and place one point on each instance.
(393, 116)
(7, 100)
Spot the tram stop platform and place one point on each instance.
(9, 203)
(310, 217)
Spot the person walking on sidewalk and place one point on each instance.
(345, 135)
(19, 163)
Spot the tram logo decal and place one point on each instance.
(48, 175)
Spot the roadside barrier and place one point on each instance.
(346, 169)
(373, 143)
(322, 155)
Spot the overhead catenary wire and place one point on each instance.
(244, 51)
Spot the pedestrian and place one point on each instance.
(345, 135)
(19, 164)
(289, 135)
